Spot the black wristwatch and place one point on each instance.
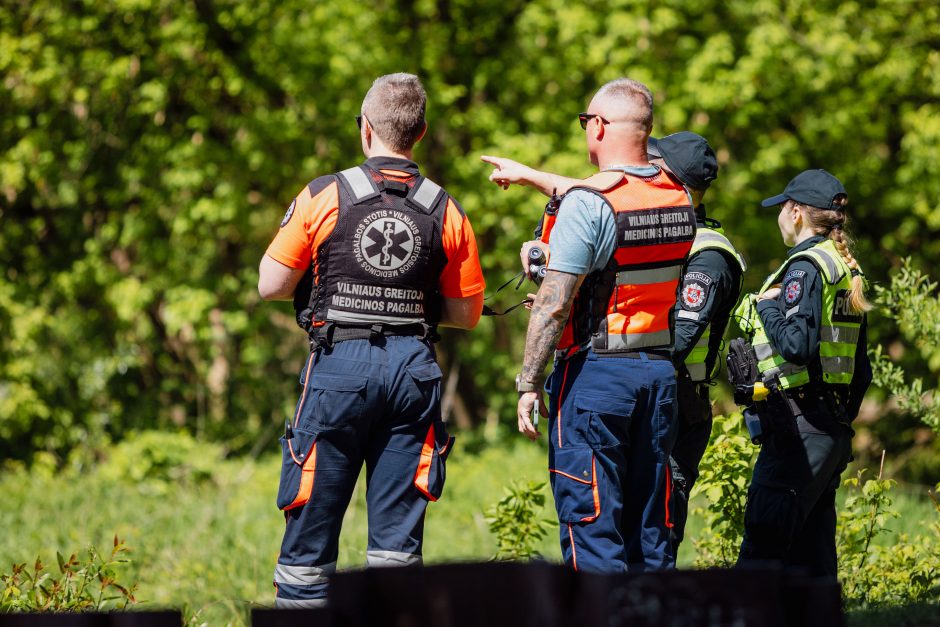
(525, 386)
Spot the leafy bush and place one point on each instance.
(153, 459)
(912, 300)
(873, 575)
(514, 520)
(81, 585)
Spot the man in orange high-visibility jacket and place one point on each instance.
(606, 307)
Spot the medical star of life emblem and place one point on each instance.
(693, 296)
(387, 243)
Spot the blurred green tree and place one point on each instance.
(148, 148)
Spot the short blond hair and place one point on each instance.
(394, 107)
(638, 95)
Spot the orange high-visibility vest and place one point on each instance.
(628, 306)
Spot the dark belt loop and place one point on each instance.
(376, 331)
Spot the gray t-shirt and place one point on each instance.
(585, 233)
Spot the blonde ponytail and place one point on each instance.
(857, 299)
(830, 223)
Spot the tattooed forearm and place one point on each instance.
(549, 315)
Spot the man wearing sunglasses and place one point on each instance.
(710, 289)
(374, 257)
(605, 308)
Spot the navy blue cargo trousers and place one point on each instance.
(365, 400)
(609, 449)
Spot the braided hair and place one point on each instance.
(831, 223)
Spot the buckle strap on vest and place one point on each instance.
(330, 333)
(650, 276)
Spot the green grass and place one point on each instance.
(211, 548)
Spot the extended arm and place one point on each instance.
(508, 172)
(277, 281)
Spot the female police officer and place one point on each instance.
(808, 332)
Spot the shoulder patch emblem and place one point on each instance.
(694, 295)
(290, 212)
(793, 291)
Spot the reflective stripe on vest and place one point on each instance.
(359, 183)
(839, 327)
(636, 341)
(425, 194)
(647, 277)
(708, 239)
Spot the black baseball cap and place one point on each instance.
(816, 188)
(688, 156)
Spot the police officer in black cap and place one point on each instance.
(709, 291)
(807, 327)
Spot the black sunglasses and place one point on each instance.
(584, 118)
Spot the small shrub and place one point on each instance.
(516, 523)
(80, 585)
(872, 576)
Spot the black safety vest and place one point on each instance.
(382, 263)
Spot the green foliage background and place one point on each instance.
(149, 147)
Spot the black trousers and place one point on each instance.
(694, 431)
(791, 515)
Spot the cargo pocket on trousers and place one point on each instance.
(606, 418)
(423, 397)
(770, 518)
(430, 475)
(336, 401)
(298, 468)
(574, 484)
